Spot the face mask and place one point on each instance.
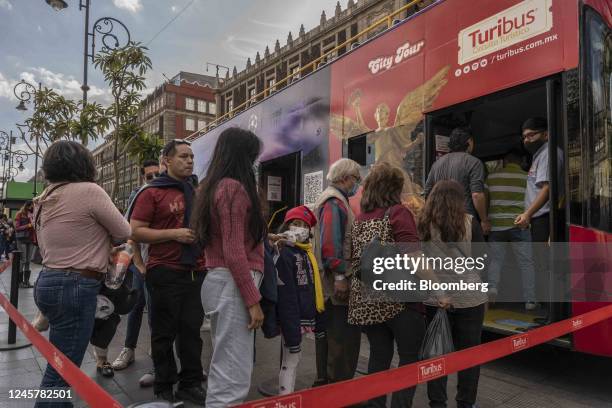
(533, 147)
(353, 190)
(301, 234)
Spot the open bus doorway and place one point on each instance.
(495, 121)
(279, 182)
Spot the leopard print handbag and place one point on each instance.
(367, 307)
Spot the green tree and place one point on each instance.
(124, 69)
(57, 117)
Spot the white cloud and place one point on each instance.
(129, 5)
(245, 47)
(283, 26)
(66, 86)
(6, 4)
(174, 8)
(6, 90)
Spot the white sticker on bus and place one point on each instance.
(511, 26)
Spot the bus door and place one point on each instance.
(495, 122)
(279, 182)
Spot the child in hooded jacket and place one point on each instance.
(300, 294)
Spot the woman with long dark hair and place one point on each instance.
(228, 222)
(451, 231)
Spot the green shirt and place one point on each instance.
(506, 188)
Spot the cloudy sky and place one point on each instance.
(41, 45)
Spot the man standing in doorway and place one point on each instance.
(148, 171)
(506, 201)
(338, 352)
(175, 272)
(467, 170)
(537, 199)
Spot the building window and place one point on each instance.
(201, 105)
(189, 124)
(201, 124)
(294, 73)
(212, 108)
(190, 104)
(230, 105)
(272, 85)
(251, 94)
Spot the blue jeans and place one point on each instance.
(520, 242)
(135, 316)
(68, 300)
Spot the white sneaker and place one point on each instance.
(125, 358)
(148, 379)
(531, 306)
(205, 325)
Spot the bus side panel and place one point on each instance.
(294, 119)
(482, 63)
(484, 48)
(596, 339)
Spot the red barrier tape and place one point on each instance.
(85, 387)
(364, 388)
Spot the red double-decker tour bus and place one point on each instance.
(396, 97)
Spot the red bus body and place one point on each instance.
(453, 51)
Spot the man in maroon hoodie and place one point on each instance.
(175, 272)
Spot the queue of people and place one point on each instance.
(203, 249)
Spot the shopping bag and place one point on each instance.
(438, 337)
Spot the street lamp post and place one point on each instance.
(9, 157)
(103, 26)
(25, 92)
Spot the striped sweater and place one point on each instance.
(506, 188)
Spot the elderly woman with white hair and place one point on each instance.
(338, 350)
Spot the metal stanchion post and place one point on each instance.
(12, 343)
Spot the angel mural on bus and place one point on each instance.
(401, 143)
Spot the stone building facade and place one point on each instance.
(302, 49)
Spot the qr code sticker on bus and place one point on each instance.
(313, 187)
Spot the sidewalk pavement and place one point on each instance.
(543, 377)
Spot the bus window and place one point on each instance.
(598, 121)
(574, 149)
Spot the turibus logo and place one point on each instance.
(431, 370)
(520, 342)
(513, 25)
(283, 402)
(577, 323)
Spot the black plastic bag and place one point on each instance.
(438, 337)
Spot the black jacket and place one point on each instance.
(295, 307)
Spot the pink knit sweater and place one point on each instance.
(231, 245)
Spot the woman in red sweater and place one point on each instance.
(24, 232)
(228, 221)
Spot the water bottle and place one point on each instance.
(118, 268)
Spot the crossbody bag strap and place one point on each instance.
(47, 194)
